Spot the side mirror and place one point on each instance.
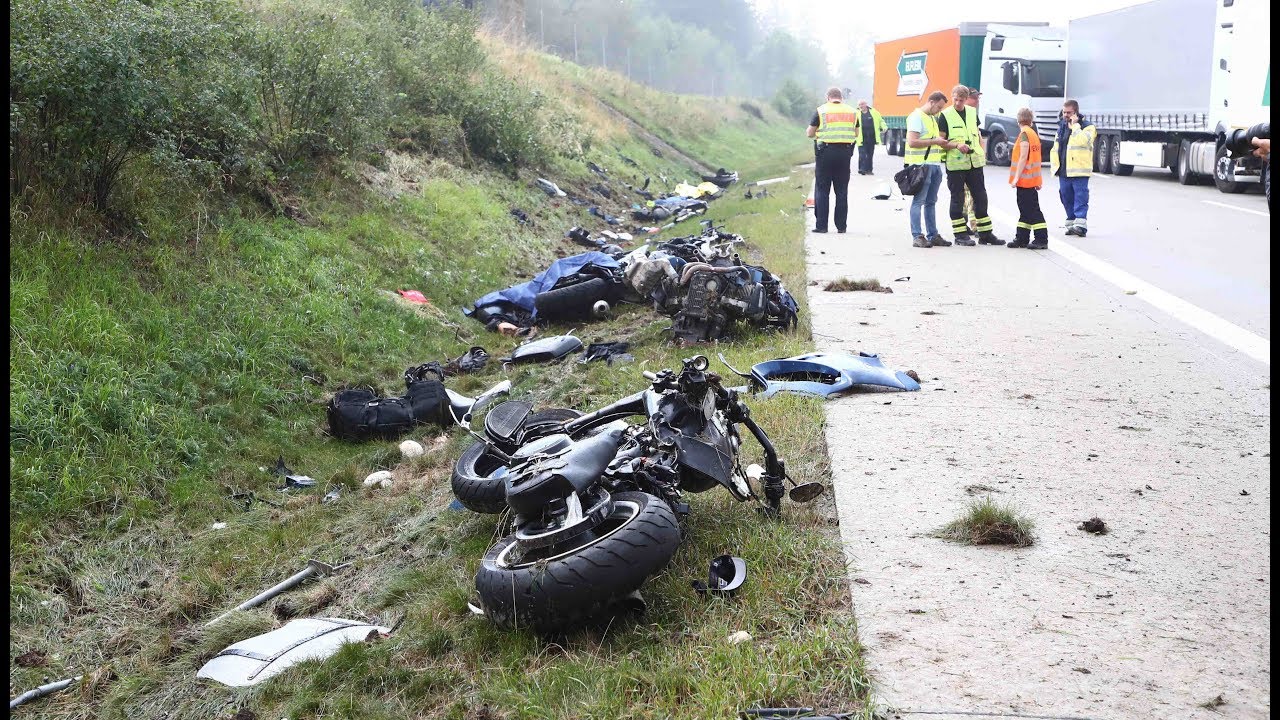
(1010, 78)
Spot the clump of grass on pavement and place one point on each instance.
(845, 284)
(986, 522)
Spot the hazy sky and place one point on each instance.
(832, 23)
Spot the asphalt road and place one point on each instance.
(1208, 248)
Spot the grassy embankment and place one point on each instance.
(150, 380)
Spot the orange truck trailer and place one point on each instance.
(1015, 65)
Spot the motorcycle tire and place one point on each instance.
(476, 480)
(572, 302)
(562, 588)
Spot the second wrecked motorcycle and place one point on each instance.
(596, 501)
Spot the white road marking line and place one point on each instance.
(1236, 207)
(1216, 327)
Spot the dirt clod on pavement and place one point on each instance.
(1095, 526)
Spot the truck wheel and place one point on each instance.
(572, 302)
(1266, 183)
(1104, 155)
(1001, 149)
(1116, 166)
(1223, 169)
(1185, 176)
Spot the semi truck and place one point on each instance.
(1015, 65)
(1167, 82)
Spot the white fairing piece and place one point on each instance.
(251, 661)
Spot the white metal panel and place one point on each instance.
(1142, 154)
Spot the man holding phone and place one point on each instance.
(959, 124)
(1072, 162)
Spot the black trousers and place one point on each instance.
(957, 180)
(865, 152)
(1030, 217)
(833, 164)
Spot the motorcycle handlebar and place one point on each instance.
(649, 375)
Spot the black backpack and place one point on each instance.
(910, 178)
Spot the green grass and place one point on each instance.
(151, 380)
(986, 522)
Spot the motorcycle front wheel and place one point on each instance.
(553, 589)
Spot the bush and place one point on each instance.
(793, 101)
(92, 86)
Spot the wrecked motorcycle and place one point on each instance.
(596, 501)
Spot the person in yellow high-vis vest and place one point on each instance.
(959, 124)
(1024, 176)
(927, 147)
(1071, 160)
(870, 130)
(832, 129)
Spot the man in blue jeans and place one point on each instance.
(1072, 163)
(926, 146)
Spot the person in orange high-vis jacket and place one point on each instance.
(1024, 177)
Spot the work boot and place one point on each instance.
(1081, 232)
(989, 238)
(921, 241)
(1071, 230)
(1039, 244)
(938, 241)
(820, 230)
(1018, 242)
(964, 239)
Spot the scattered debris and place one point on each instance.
(825, 374)
(904, 278)
(414, 296)
(1244, 492)
(43, 690)
(381, 478)
(313, 568)
(521, 216)
(1095, 526)
(1026, 396)
(847, 285)
(913, 375)
(1105, 595)
(1138, 429)
(550, 188)
(1130, 292)
(1081, 670)
(915, 612)
(411, 449)
(291, 479)
(930, 312)
(725, 575)
(545, 350)
(332, 496)
(739, 637)
(980, 489)
(258, 658)
(610, 352)
(862, 581)
(218, 526)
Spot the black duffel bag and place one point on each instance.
(360, 414)
(911, 178)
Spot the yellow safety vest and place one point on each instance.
(931, 153)
(836, 123)
(965, 131)
(877, 121)
(1079, 153)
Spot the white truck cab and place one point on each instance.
(1021, 67)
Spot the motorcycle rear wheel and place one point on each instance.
(554, 589)
(479, 479)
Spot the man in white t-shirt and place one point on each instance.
(925, 145)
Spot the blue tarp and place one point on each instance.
(522, 295)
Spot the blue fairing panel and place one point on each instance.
(826, 374)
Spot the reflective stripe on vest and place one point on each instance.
(1030, 177)
(836, 123)
(966, 131)
(931, 153)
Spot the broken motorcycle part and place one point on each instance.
(825, 374)
(314, 568)
(255, 659)
(545, 350)
(47, 689)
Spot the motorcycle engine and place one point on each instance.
(713, 301)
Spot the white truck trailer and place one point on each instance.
(1166, 83)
